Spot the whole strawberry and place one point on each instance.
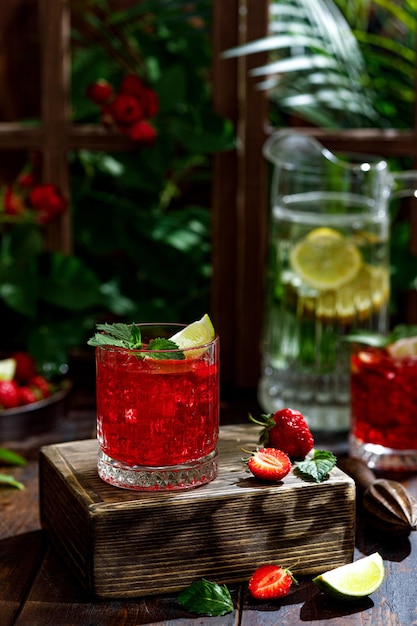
(9, 394)
(269, 582)
(25, 367)
(286, 430)
(40, 385)
(27, 395)
(269, 464)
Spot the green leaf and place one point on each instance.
(368, 338)
(70, 283)
(118, 334)
(5, 479)
(318, 466)
(165, 344)
(11, 458)
(206, 598)
(377, 340)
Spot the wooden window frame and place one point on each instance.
(240, 187)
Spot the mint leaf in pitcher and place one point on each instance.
(206, 598)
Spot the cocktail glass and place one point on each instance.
(383, 409)
(157, 417)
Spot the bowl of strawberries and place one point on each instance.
(30, 404)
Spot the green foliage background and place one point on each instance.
(142, 218)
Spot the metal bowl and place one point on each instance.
(35, 418)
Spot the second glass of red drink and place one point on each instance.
(384, 406)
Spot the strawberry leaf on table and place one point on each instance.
(318, 466)
(206, 598)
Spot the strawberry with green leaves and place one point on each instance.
(286, 430)
(269, 464)
(270, 582)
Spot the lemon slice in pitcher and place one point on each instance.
(325, 259)
(355, 580)
(196, 334)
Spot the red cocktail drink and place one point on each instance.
(384, 409)
(157, 416)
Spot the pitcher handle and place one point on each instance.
(404, 184)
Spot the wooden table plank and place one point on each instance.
(56, 599)
(37, 590)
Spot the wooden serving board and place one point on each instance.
(124, 544)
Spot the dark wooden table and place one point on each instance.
(37, 589)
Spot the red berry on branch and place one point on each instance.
(48, 202)
(143, 132)
(100, 92)
(125, 110)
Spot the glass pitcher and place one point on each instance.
(328, 272)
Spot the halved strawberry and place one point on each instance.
(269, 582)
(286, 430)
(269, 464)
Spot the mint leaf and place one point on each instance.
(376, 340)
(368, 338)
(118, 335)
(402, 331)
(5, 479)
(206, 598)
(11, 458)
(165, 344)
(318, 466)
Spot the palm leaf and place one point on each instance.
(316, 67)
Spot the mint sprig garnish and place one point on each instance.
(318, 466)
(128, 336)
(206, 598)
(377, 340)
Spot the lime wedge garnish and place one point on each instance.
(355, 580)
(196, 334)
(325, 259)
(7, 369)
(403, 348)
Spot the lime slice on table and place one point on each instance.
(196, 334)
(7, 369)
(355, 580)
(325, 259)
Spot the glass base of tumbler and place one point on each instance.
(382, 459)
(164, 478)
